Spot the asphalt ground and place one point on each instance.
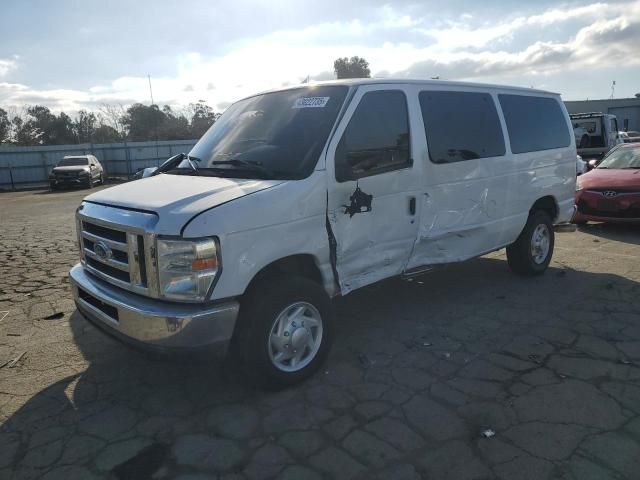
(467, 373)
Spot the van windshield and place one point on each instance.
(274, 135)
(73, 162)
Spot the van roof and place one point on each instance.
(374, 81)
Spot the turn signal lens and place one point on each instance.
(204, 264)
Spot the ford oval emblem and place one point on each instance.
(609, 193)
(102, 250)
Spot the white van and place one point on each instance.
(298, 195)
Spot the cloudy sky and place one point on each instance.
(72, 54)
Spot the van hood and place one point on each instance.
(177, 198)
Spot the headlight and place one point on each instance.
(578, 185)
(187, 268)
(83, 173)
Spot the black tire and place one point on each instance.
(259, 309)
(519, 254)
(101, 179)
(90, 182)
(52, 187)
(584, 141)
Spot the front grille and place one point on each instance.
(108, 310)
(114, 254)
(111, 271)
(104, 232)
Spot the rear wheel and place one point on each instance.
(531, 253)
(284, 331)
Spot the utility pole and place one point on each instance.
(150, 90)
(613, 88)
(156, 123)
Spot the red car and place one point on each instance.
(611, 191)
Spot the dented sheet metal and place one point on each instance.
(374, 231)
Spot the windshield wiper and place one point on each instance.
(237, 162)
(173, 162)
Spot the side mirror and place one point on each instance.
(593, 163)
(147, 172)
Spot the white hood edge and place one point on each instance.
(177, 198)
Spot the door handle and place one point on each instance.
(412, 205)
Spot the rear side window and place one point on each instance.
(376, 139)
(534, 123)
(461, 126)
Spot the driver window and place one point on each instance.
(376, 139)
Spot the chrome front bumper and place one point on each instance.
(153, 323)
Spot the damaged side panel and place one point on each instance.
(375, 242)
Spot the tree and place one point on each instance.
(112, 115)
(37, 125)
(42, 127)
(143, 122)
(202, 117)
(173, 127)
(5, 126)
(85, 126)
(354, 67)
(21, 131)
(106, 134)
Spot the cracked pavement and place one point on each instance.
(418, 371)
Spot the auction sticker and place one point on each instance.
(311, 102)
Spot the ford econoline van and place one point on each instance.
(305, 193)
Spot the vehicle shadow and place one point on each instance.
(620, 232)
(120, 416)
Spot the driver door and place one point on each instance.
(373, 185)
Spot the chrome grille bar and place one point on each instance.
(134, 261)
(110, 243)
(107, 261)
(131, 263)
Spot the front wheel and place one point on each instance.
(531, 253)
(284, 331)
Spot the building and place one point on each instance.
(626, 110)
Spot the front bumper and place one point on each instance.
(622, 208)
(150, 323)
(69, 181)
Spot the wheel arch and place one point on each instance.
(301, 264)
(547, 204)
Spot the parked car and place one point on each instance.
(76, 171)
(302, 194)
(611, 191)
(602, 130)
(630, 137)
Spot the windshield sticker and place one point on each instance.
(311, 102)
